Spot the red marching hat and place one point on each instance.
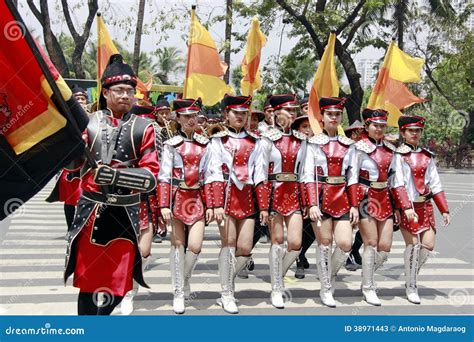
(162, 104)
(407, 121)
(143, 111)
(332, 104)
(374, 115)
(267, 104)
(187, 106)
(237, 103)
(284, 101)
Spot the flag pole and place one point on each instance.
(98, 57)
(191, 32)
(60, 102)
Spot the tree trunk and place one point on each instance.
(51, 43)
(357, 93)
(80, 40)
(467, 136)
(77, 60)
(138, 36)
(228, 37)
(400, 14)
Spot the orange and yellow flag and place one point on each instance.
(251, 80)
(107, 48)
(390, 91)
(204, 67)
(325, 84)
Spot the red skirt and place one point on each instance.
(103, 268)
(286, 199)
(240, 203)
(426, 219)
(188, 206)
(335, 201)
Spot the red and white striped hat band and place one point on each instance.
(239, 107)
(188, 110)
(289, 104)
(414, 121)
(119, 78)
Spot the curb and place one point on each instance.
(456, 171)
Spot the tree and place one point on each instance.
(228, 37)
(447, 48)
(291, 75)
(138, 35)
(440, 9)
(80, 40)
(52, 45)
(312, 22)
(50, 41)
(169, 62)
(236, 78)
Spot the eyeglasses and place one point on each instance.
(122, 91)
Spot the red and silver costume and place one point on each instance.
(235, 165)
(422, 184)
(236, 155)
(283, 155)
(329, 171)
(183, 172)
(332, 161)
(380, 173)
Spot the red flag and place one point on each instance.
(40, 121)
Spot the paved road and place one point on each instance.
(32, 258)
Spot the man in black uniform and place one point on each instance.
(103, 248)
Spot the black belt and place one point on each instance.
(332, 179)
(373, 185)
(180, 183)
(424, 198)
(283, 177)
(112, 199)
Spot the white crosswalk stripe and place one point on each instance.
(32, 259)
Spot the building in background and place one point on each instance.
(368, 68)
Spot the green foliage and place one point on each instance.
(236, 77)
(291, 75)
(169, 64)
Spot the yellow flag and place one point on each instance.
(390, 91)
(204, 67)
(325, 84)
(251, 80)
(105, 48)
